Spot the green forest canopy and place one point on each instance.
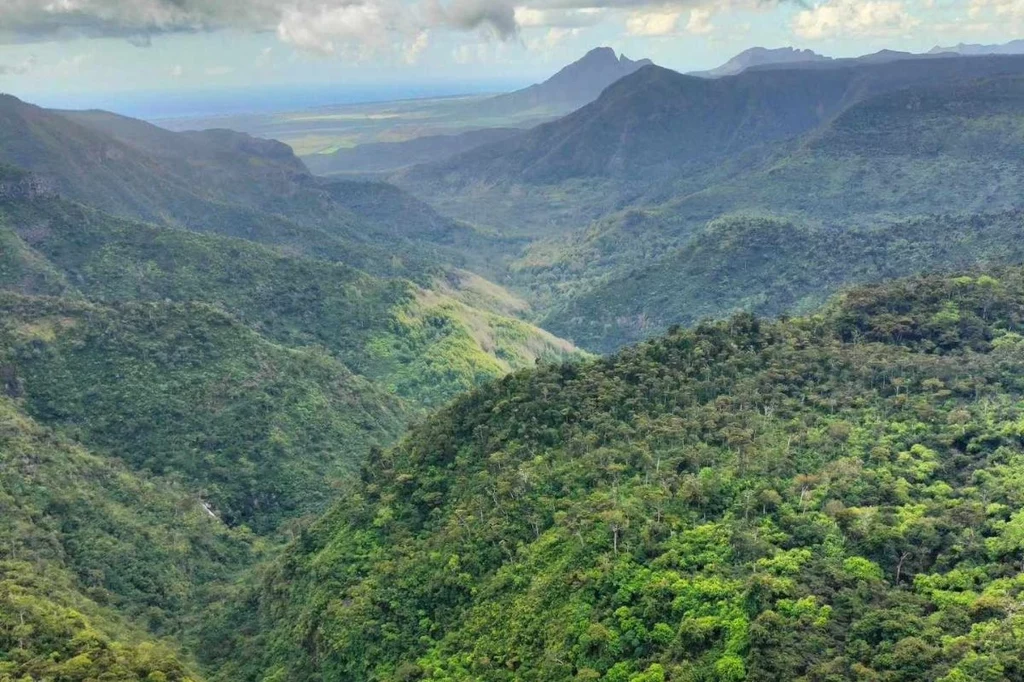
(836, 497)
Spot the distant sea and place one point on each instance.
(154, 106)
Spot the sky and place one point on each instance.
(91, 52)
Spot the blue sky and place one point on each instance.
(56, 50)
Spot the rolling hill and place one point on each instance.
(771, 267)
(423, 344)
(258, 430)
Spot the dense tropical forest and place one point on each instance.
(199, 343)
(823, 498)
(711, 379)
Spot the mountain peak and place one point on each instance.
(574, 86)
(762, 56)
(607, 56)
(602, 60)
(600, 52)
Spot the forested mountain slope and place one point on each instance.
(99, 563)
(772, 266)
(258, 430)
(658, 133)
(174, 405)
(921, 179)
(423, 344)
(228, 183)
(834, 497)
(152, 175)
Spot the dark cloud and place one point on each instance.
(316, 24)
(31, 20)
(28, 20)
(498, 15)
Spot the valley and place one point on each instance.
(631, 376)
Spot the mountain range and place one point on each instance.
(615, 192)
(1012, 47)
(260, 425)
(268, 261)
(574, 86)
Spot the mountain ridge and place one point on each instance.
(761, 56)
(1012, 47)
(655, 131)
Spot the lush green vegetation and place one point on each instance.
(259, 431)
(41, 639)
(827, 498)
(623, 201)
(184, 402)
(94, 556)
(230, 184)
(833, 497)
(767, 266)
(425, 345)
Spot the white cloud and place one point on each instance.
(1012, 9)
(218, 71)
(532, 17)
(660, 19)
(700, 21)
(177, 71)
(362, 28)
(656, 23)
(414, 49)
(323, 25)
(552, 38)
(327, 29)
(20, 69)
(858, 18)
